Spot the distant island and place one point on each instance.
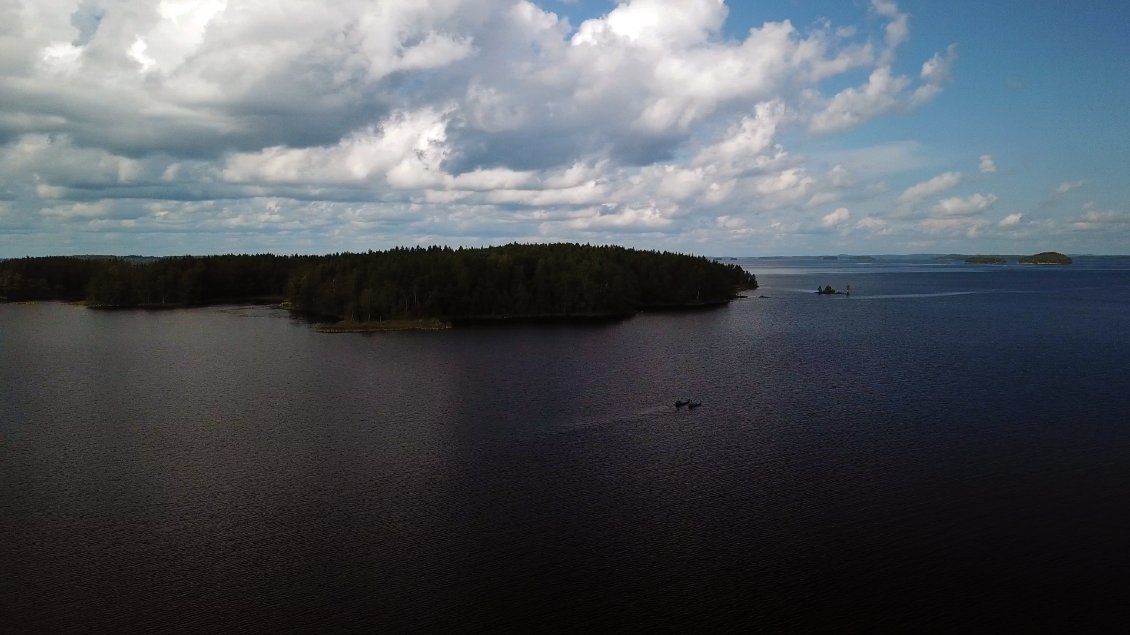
(848, 258)
(398, 288)
(986, 260)
(1046, 258)
(1043, 258)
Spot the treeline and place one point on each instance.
(986, 260)
(123, 282)
(405, 283)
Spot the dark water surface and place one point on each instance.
(947, 448)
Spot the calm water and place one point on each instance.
(947, 448)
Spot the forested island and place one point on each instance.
(1042, 258)
(401, 286)
(1046, 258)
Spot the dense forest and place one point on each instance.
(405, 283)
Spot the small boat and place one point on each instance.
(682, 402)
(694, 404)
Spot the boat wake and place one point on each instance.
(938, 294)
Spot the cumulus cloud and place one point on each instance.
(897, 30)
(459, 118)
(987, 166)
(656, 23)
(935, 74)
(919, 191)
(964, 206)
(837, 217)
(853, 106)
(1012, 219)
(884, 92)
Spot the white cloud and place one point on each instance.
(407, 150)
(1102, 220)
(461, 118)
(885, 8)
(746, 139)
(655, 23)
(969, 227)
(837, 217)
(1012, 219)
(730, 222)
(853, 106)
(967, 206)
(926, 189)
(884, 92)
(54, 160)
(1067, 186)
(646, 218)
(874, 225)
(936, 73)
(780, 188)
(492, 179)
(840, 176)
(897, 30)
(987, 166)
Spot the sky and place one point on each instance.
(166, 127)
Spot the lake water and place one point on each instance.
(946, 448)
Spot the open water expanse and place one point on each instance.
(948, 448)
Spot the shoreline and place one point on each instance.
(278, 301)
(350, 326)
